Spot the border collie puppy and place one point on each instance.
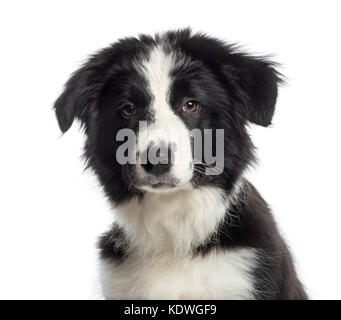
(180, 231)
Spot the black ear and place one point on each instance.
(79, 93)
(256, 83)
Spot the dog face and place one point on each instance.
(163, 91)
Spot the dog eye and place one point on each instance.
(128, 111)
(190, 106)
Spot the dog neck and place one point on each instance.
(175, 222)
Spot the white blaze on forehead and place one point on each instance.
(157, 71)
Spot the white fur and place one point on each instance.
(219, 275)
(175, 220)
(162, 230)
(167, 126)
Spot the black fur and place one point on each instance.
(114, 244)
(250, 224)
(234, 88)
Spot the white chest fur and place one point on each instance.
(224, 275)
(162, 230)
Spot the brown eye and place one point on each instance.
(190, 106)
(128, 111)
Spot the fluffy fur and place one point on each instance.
(203, 236)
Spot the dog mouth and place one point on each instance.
(155, 184)
(166, 185)
(167, 182)
(159, 184)
(162, 185)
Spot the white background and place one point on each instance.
(51, 212)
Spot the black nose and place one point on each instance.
(157, 159)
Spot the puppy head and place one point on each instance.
(152, 106)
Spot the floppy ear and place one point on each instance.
(256, 84)
(78, 94)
